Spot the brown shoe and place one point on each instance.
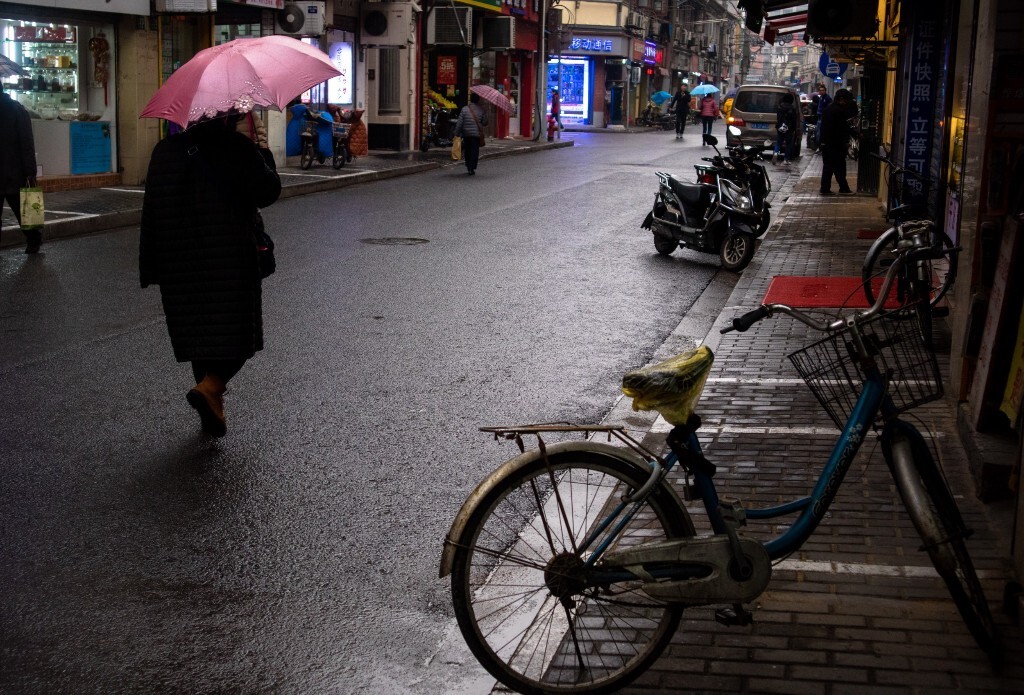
(208, 400)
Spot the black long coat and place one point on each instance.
(17, 148)
(202, 189)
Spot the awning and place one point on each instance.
(492, 5)
(757, 10)
(788, 21)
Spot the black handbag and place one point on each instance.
(264, 246)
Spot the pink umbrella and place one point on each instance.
(237, 76)
(488, 93)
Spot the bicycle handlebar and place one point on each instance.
(898, 169)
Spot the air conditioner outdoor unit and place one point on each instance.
(387, 24)
(302, 18)
(499, 32)
(450, 26)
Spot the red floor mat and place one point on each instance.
(820, 292)
(869, 233)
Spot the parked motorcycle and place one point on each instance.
(440, 128)
(653, 117)
(718, 214)
(319, 129)
(742, 165)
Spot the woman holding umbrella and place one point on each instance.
(469, 127)
(203, 189)
(708, 107)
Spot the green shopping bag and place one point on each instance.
(33, 212)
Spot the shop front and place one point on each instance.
(67, 58)
(591, 79)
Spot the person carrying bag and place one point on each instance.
(18, 171)
(469, 128)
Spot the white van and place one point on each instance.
(753, 112)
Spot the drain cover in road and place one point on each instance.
(822, 292)
(396, 241)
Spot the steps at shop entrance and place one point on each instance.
(49, 184)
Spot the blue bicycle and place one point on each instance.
(571, 564)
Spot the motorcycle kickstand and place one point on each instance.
(737, 616)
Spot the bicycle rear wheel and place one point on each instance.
(514, 578)
(938, 521)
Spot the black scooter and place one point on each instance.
(742, 165)
(440, 128)
(711, 216)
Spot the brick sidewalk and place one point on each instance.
(882, 621)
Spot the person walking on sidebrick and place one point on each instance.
(785, 128)
(202, 191)
(556, 107)
(470, 126)
(834, 140)
(17, 161)
(708, 114)
(680, 104)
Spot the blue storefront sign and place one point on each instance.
(922, 90)
(90, 147)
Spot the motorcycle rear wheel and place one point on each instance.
(664, 245)
(306, 159)
(737, 250)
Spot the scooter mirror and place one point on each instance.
(712, 140)
(734, 131)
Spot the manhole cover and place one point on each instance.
(396, 241)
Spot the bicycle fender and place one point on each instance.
(513, 466)
(886, 240)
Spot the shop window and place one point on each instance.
(222, 33)
(389, 96)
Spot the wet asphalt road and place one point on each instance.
(299, 554)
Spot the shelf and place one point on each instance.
(8, 88)
(34, 67)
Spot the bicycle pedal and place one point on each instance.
(940, 312)
(731, 618)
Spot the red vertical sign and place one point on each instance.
(447, 68)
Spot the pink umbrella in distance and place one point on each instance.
(488, 93)
(237, 76)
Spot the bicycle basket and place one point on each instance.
(829, 366)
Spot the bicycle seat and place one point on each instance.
(671, 387)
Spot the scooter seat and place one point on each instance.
(671, 387)
(690, 194)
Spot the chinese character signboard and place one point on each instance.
(447, 69)
(922, 88)
(583, 43)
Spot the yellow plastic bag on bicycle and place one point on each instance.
(672, 387)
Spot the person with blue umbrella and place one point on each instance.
(708, 106)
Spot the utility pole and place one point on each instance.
(542, 73)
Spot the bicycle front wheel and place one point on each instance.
(519, 600)
(938, 521)
(939, 273)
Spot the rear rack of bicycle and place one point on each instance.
(517, 432)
